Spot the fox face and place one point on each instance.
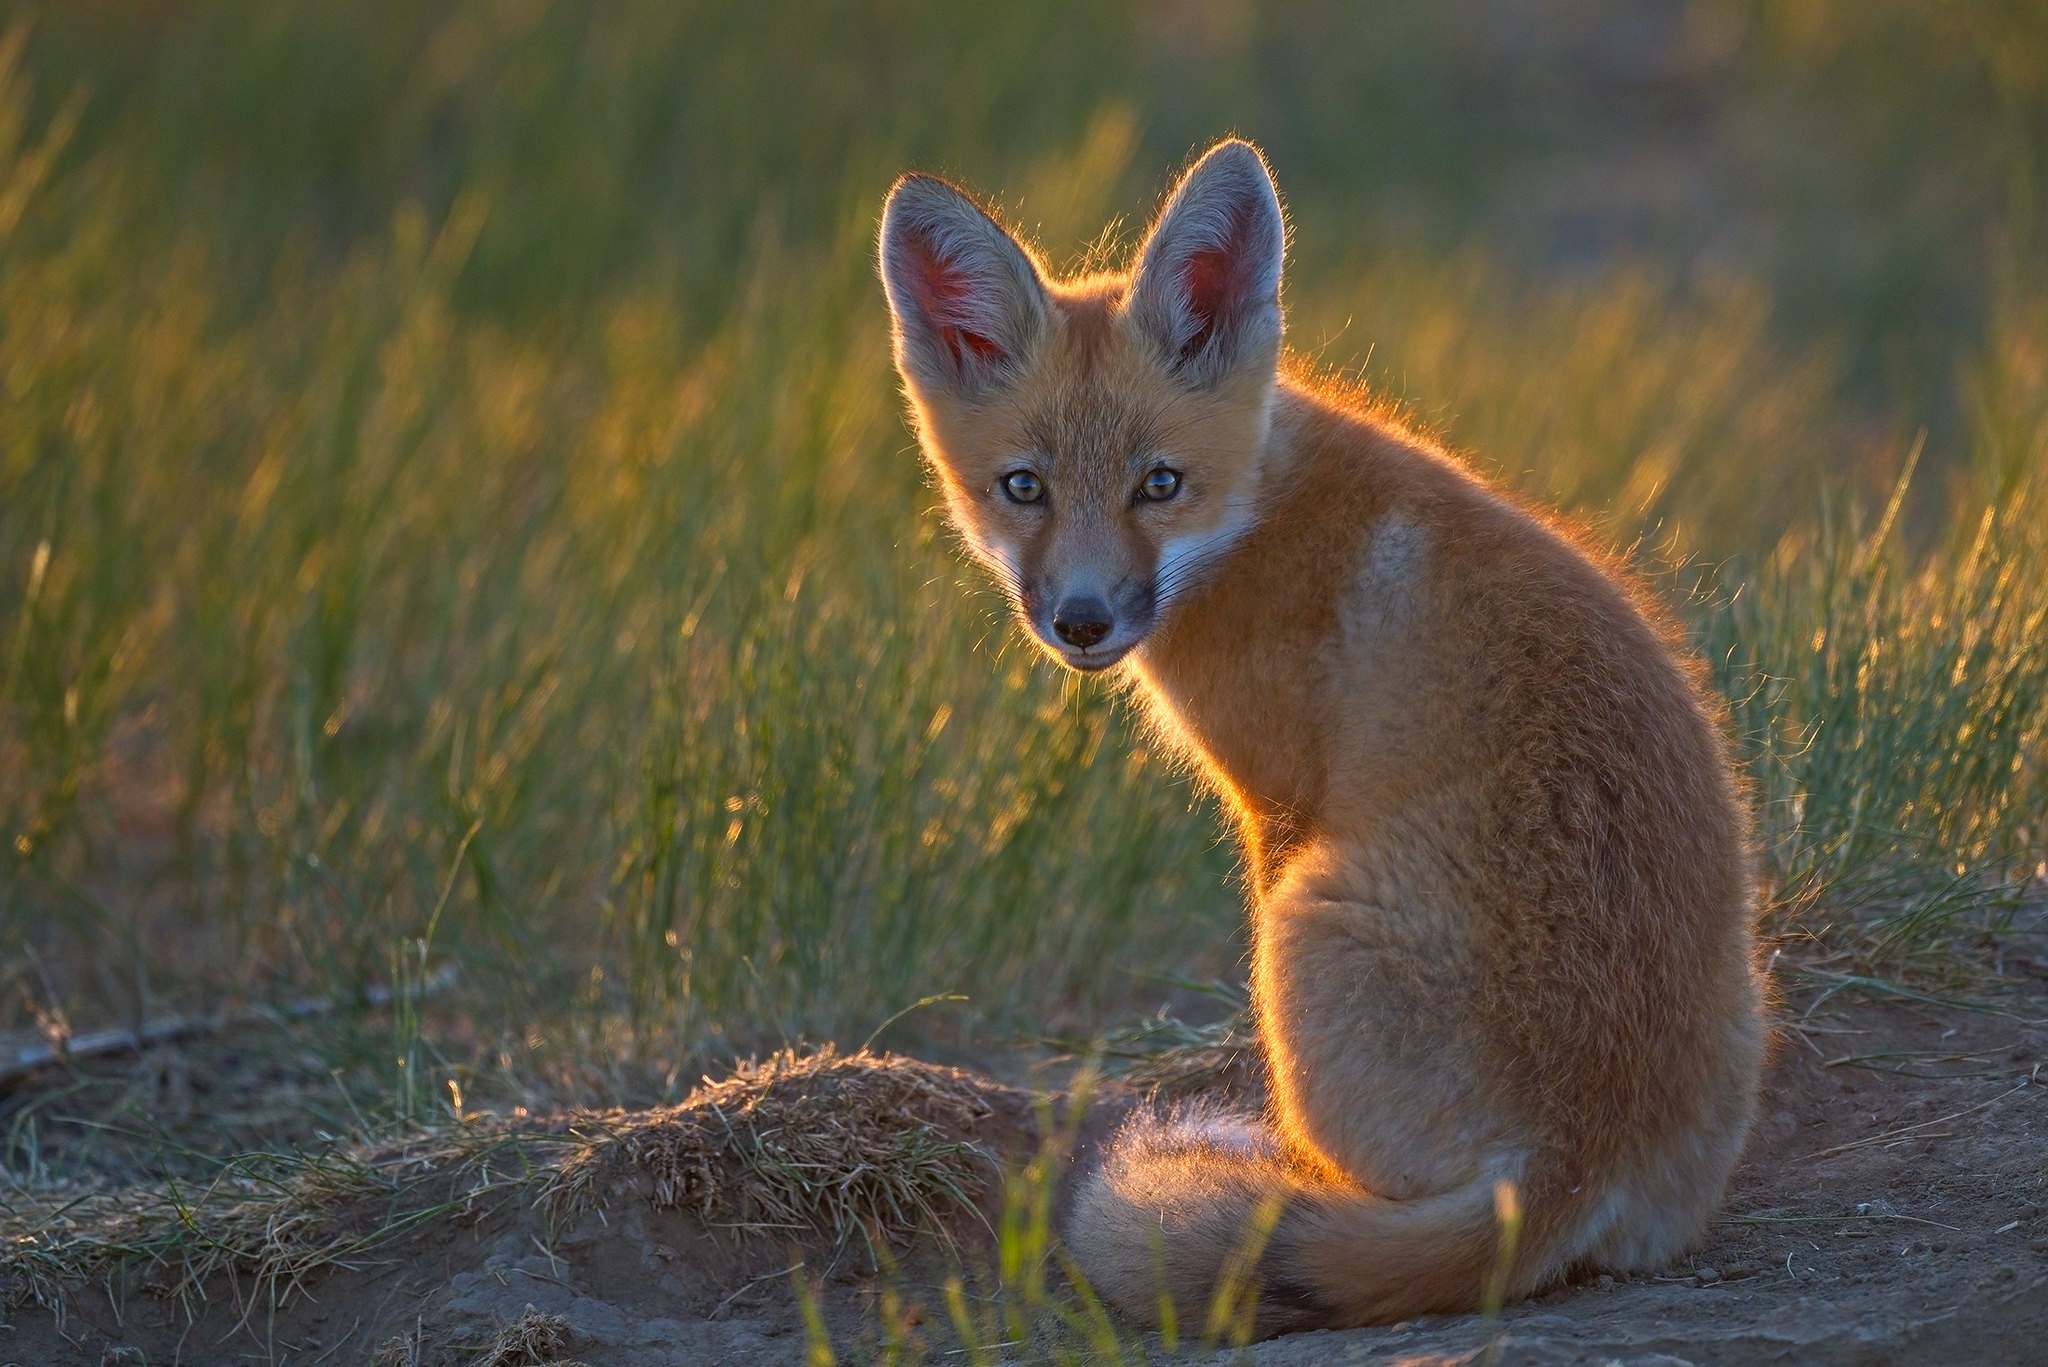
(1100, 442)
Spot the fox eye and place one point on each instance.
(1023, 487)
(1160, 485)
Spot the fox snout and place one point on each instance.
(1082, 622)
(1089, 628)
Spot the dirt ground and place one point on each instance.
(1892, 1207)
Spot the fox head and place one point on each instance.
(1100, 441)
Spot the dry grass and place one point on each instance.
(821, 1146)
(534, 1339)
(818, 1146)
(1176, 1058)
(399, 1350)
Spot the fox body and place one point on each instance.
(1502, 890)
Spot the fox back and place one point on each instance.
(1502, 890)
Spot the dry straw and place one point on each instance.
(815, 1146)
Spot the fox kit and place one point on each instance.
(1499, 861)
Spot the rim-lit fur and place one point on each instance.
(1502, 885)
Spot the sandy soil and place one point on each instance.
(1892, 1207)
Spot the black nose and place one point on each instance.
(1081, 621)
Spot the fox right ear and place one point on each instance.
(967, 301)
(1208, 284)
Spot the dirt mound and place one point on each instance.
(820, 1146)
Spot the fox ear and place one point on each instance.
(1208, 284)
(968, 303)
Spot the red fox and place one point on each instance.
(1503, 896)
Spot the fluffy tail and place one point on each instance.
(1183, 1212)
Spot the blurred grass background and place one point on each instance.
(454, 505)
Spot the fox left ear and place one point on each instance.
(1208, 283)
(968, 302)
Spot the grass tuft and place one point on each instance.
(535, 1339)
(815, 1146)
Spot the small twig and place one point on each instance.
(32, 1058)
(1920, 1055)
(1906, 1131)
(1895, 1063)
(1880, 987)
(719, 1309)
(917, 1005)
(1826, 1220)
(339, 1343)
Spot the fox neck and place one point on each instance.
(1232, 674)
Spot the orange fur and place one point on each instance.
(1500, 862)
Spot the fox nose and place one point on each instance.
(1081, 621)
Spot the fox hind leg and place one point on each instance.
(1363, 1012)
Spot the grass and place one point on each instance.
(455, 511)
(701, 711)
(1895, 714)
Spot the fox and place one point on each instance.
(1503, 959)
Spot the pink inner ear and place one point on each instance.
(946, 294)
(960, 340)
(1206, 281)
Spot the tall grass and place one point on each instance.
(454, 509)
(645, 630)
(1895, 701)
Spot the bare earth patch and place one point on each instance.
(1893, 1207)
